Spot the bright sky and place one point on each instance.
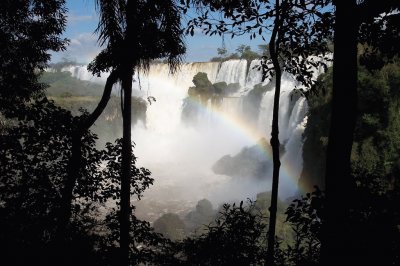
(82, 21)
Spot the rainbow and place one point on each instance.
(248, 131)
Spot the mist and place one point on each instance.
(181, 155)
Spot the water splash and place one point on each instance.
(181, 157)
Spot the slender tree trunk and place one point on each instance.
(273, 48)
(129, 49)
(126, 168)
(334, 250)
(74, 165)
(73, 175)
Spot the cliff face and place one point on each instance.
(316, 135)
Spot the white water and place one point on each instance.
(233, 71)
(254, 76)
(181, 157)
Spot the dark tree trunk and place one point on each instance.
(273, 48)
(72, 177)
(74, 165)
(129, 61)
(125, 210)
(336, 233)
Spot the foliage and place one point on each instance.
(242, 52)
(284, 232)
(238, 234)
(139, 181)
(339, 229)
(21, 170)
(73, 94)
(380, 36)
(306, 30)
(152, 30)
(376, 138)
(234, 239)
(34, 158)
(222, 51)
(297, 43)
(374, 157)
(156, 29)
(305, 217)
(231, 56)
(29, 29)
(36, 150)
(316, 133)
(378, 126)
(62, 83)
(245, 52)
(149, 246)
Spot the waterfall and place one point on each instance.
(180, 156)
(169, 90)
(292, 158)
(254, 76)
(233, 71)
(81, 72)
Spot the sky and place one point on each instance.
(82, 21)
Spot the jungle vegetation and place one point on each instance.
(55, 181)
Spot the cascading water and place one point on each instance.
(292, 160)
(81, 72)
(181, 157)
(232, 71)
(254, 76)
